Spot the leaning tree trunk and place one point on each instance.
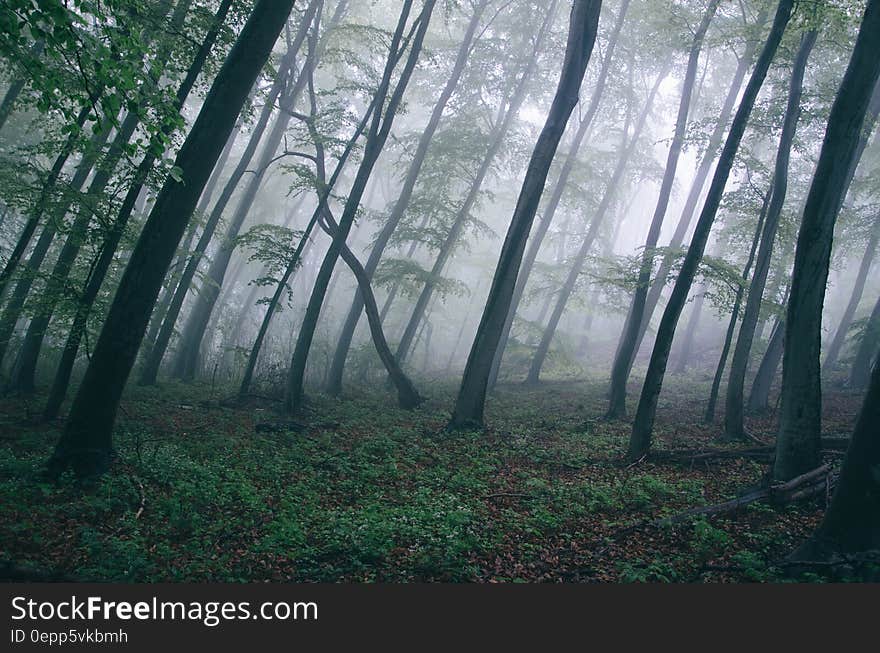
(626, 350)
(709, 417)
(337, 366)
(376, 137)
(626, 150)
(24, 373)
(640, 439)
(210, 290)
(537, 238)
(86, 442)
(866, 354)
(502, 126)
(759, 396)
(108, 248)
(690, 206)
(469, 406)
(19, 294)
(798, 446)
(734, 405)
(836, 345)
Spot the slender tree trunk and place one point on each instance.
(690, 332)
(17, 86)
(24, 374)
(154, 355)
(627, 148)
(640, 440)
(709, 417)
(759, 397)
(186, 359)
(469, 406)
(337, 366)
(866, 354)
(626, 351)
(798, 447)
(46, 190)
(734, 408)
(111, 242)
(543, 225)
(836, 345)
(502, 127)
(21, 290)
(86, 442)
(376, 137)
(702, 174)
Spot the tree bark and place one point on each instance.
(640, 439)
(502, 126)
(626, 351)
(337, 366)
(469, 406)
(798, 441)
(734, 406)
(840, 334)
(544, 222)
(86, 443)
(376, 137)
(709, 417)
(626, 149)
(866, 354)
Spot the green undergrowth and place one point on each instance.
(355, 490)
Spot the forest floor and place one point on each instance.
(358, 491)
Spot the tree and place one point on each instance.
(626, 351)
(86, 442)
(798, 447)
(334, 382)
(568, 165)
(734, 427)
(640, 439)
(866, 353)
(851, 525)
(377, 134)
(583, 24)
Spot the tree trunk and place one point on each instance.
(154, 354)
(108, 248)
(19, 294)
(690, 332)
(24, 373)
(469, 406)
(734, 406)
(376, 137)
(86, 442)
(337, 366)
(866, 354)
(709, 417)
(840, 335)
(543, 225)
(626, 351)
(626, 149)
(759, 397)
(640, 440)
(852, 522)
(502, 126)
(690, 205)
(798, 447)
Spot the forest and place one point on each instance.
(482, 291)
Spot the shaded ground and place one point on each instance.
(359, 491)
